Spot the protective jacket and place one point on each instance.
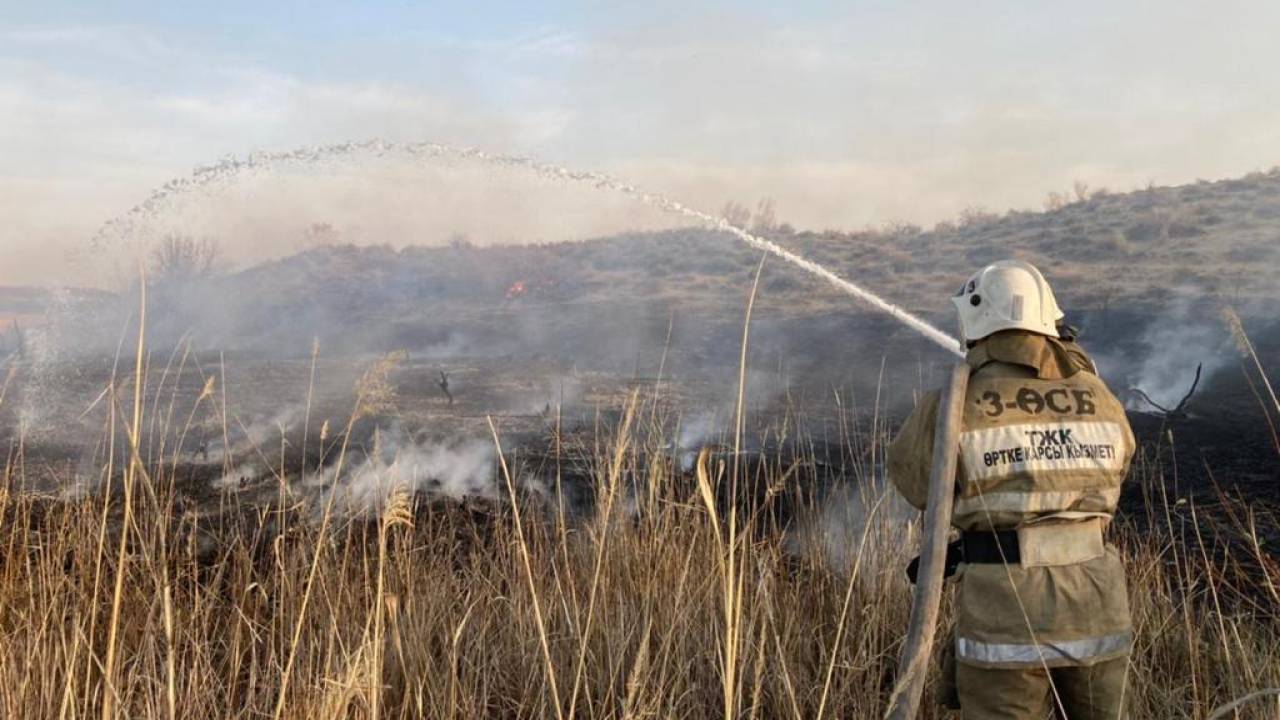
(1043, 450)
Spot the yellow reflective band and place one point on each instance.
(1043, 501)
(1049, 652)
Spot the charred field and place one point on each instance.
(550, 340)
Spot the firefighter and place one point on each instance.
(1042, 613)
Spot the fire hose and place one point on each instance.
(913, 664)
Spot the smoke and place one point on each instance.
(455, 344)
(696, 431)
(543, 395)
(456, 468)
(46, 348)
(238, 476)
(1176, 342)
(260, 433)
(865, 523)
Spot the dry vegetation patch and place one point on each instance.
(437, 608)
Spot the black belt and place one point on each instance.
(999, 546)
(992, 547)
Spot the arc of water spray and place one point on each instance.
(230, 168)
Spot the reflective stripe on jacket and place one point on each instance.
(1043, 441)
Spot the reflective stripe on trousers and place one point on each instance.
(1049, 652)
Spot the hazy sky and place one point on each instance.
(847, 114)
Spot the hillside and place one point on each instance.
(1136, 250)
(1213, 238)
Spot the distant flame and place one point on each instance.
(521, 288)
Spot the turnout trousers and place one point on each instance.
(1093, 692)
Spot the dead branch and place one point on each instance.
(1179, 411)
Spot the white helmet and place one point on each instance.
(1007, 295)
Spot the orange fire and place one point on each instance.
(521, 288)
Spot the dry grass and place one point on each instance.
(677, 609)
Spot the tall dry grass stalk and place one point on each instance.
(131, 474)
(523, 544)
(1270, 411)
(1245, 345)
